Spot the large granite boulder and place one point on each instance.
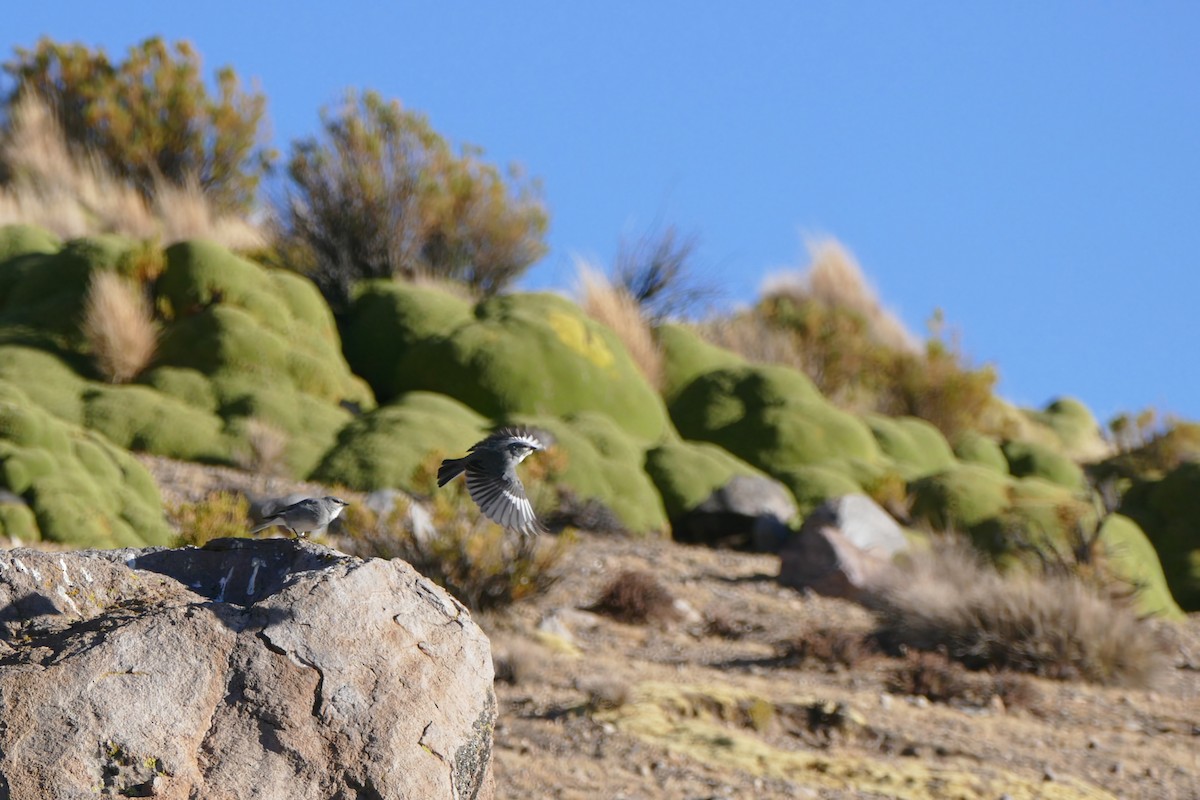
(245, 669)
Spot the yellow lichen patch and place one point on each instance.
(573, 332)
(694, 721)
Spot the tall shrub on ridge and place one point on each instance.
(381, 194)
(151, 118)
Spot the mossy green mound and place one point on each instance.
(1167, 510)
(20, 240)
(139, 418)
(245, 354)
(771, 417)
(1131, 557)
(48, 381)
(386, 319)
(687, 473)
(917, 447)
(386, 447)
(80, 489)
(686, 356)
(960, 498)
(535, 354)
(984, 451)
(1013, 520)
(1076, 428)
(1028, 459)
(813, 484)
(44, 291)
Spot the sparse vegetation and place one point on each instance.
(382, 195)
(636, 597)
(473, 559)
(612, 305)
(657, 270)
(219, 515)
(829, 648)
(940, 680)
(119, 327)
(947, 600)
(829, 325)
(73, 192)
(149, 119)
(265, 448)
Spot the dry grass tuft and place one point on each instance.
(119, 327)
(636, 597)
(265, 450)
(835, 279)
(946, 600)
(73, 194)
(613, 306)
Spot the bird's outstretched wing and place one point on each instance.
(502, 499)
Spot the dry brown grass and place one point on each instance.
(834, 278)
(265, 450)
(636, 597)
(946, 600)
(75, 195)
(119, 327)
(613, 306)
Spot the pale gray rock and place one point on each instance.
(844, 549)
(749, 512)
(270, 669)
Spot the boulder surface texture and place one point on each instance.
(244, 669)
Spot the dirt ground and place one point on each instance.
(712, 706)
(717, 702)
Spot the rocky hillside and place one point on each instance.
(248, 366)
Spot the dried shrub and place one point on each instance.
(219, 515)
(613, 306)
(636, 597)
(476, 561)
(119, 327)
(945, 599)
(265, 448)
(928, 675)
(382, 195)
(831, 648)
(829, 324)
(150, 118)
(73, 193)
(657, 270)
(722, 625)
(940, 680)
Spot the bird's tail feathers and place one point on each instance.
(450, 469)
(264, 524)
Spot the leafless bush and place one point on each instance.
(636, 597)
(945, 599)
(658, 271)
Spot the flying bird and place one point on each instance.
(308, 515)
(492, 482)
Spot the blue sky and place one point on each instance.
(1032, 169)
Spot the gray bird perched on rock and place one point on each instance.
(313, 514)
(492, 482)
